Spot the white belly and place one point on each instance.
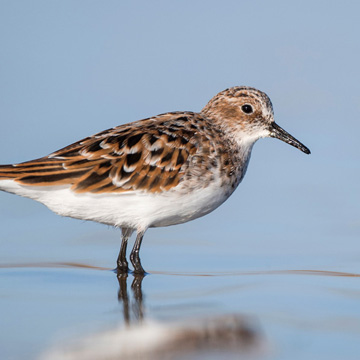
(137, 210)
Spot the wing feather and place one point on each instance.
(150, 155)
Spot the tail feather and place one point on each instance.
(47, 171)
(7, 172)
(39, 172)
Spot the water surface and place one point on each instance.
(297, 313)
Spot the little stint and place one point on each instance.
(160, 171)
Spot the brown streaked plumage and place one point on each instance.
(159, 171)
(152, 156)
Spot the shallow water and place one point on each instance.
(296, 312)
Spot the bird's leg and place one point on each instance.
(134, 256)
(122, 264)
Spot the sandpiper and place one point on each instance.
(160, 171)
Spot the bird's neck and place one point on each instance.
(238, 147)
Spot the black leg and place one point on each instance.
(122, 264)
(134, 256)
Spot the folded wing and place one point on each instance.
(151, 155)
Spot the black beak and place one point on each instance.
(279, 133)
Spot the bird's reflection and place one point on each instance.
(133, 307)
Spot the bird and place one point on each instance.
(160, 171)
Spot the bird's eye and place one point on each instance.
(247, 109)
